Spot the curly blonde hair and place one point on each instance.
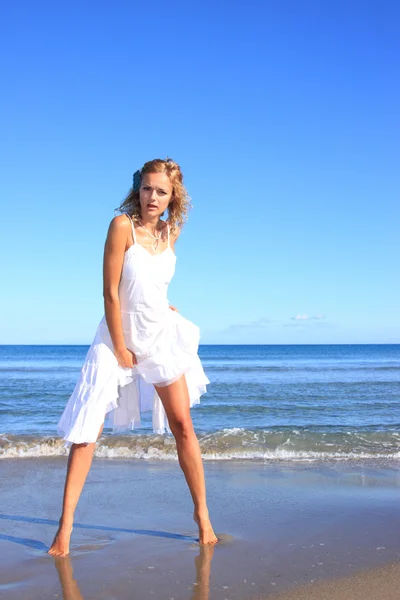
(180, 203)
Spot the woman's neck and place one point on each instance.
(151, 223)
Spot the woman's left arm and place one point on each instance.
(174, 236)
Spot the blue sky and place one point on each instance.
(284, 119)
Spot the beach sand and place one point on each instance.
(287, 531)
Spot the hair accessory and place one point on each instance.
(136, 180)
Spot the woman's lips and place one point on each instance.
(151, 206)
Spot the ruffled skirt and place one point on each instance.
(106, 391)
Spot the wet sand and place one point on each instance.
(287, 531)
(381, 583)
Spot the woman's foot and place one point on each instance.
(60, 545)
(206, 532)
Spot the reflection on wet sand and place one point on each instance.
(69, 586)
(203, 569)
(201, 588)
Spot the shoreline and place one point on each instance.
(228, 444)
(282, 527)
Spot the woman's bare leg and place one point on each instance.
(175, 399)
(79, 462)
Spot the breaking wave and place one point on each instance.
(283, 444)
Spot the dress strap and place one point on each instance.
(133, 228)
(168, 233)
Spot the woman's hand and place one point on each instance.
(126, 358)
(173, 308)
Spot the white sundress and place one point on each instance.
(165, 345)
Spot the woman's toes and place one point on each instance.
(60, 545)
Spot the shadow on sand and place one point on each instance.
(39, 545)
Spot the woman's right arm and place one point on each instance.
(114, 251)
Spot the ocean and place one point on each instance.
(296, 403)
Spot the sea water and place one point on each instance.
(271, 403)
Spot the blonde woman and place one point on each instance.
(144, 354)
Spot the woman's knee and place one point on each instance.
(182, 426)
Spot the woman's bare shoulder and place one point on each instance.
(119, 226)
(120, 223)
(118, 231)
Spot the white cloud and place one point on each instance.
(304, 317)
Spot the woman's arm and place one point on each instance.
(114, 250)
(173, 237)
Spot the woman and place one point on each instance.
(144, 355)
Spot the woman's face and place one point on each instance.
(155, 194)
